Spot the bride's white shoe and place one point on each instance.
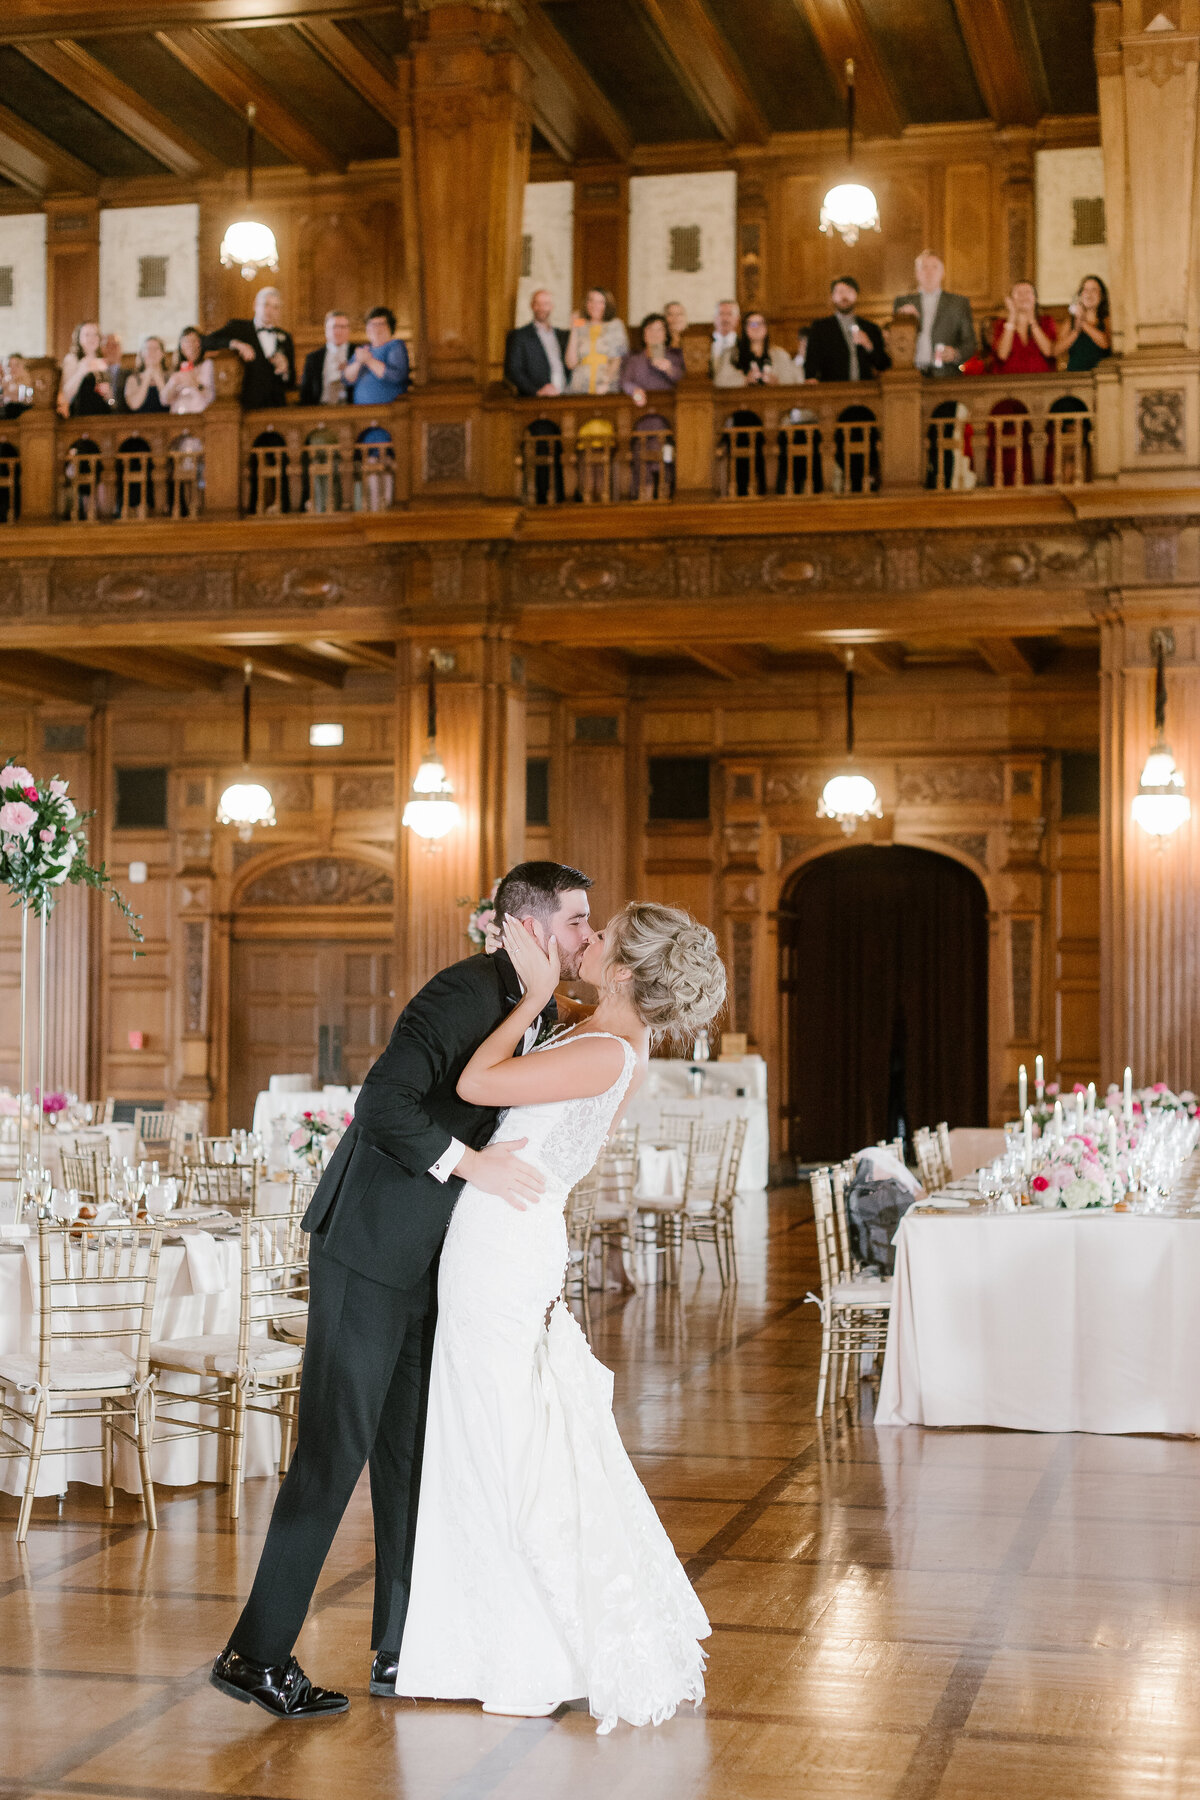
(507, 1711)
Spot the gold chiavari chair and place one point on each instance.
(929, 1160)
(943, 1138)
(154, 1136)
(231, 1186)
(85, 1369)
(218, 1151)
(87, 1169)
(255, 1369)
(659, 1218)
(613, 1222)
(189, 1128)
(708, 1215)
(854, 1311)
(580, 1216)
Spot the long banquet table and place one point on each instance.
(1047, 1321)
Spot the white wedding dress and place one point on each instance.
(541, 1570)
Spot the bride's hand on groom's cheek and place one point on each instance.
(538, 968)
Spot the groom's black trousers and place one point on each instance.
(362, 1399)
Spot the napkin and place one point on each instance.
(205, 1268)
(946, 1202)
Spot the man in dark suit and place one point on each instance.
(377, 1221)
(842, 347)
(945, 328)
(321, 381)
(533, 353)
(265, 348)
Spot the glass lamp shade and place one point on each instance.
(432, 810)
(849, 799)
(245, 804)
(848, 210)
(249, 246)
(1161, 804)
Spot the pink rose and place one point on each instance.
(16, 818)
(1079, 1088)
(1052, 1089)
(347, 1118)
(31, 793)
(298, 1139)
(13, 775)
(58, 787)
(1039, 1184)
(46, 837)
(1160, 1087)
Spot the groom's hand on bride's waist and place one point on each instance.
(497, 1169)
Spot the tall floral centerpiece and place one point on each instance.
(481, 920)
(43, 847)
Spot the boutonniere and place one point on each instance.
(547, 1033)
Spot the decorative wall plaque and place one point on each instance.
(1160, 422)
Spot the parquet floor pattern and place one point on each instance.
(904, 1616)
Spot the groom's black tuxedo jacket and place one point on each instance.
(377, 1209)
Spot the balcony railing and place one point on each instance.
(803, 444)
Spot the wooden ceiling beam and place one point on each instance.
(1007, 63)
(355, 655)
(575, 672)
(1004, 656)
(354, 66)
(729, 661)
(545, 47)
(25, 20)
(72, 68)
(208, 56)
(708, 69)
(876, 659)
(157, 668)
(841, 30)
(46, 678)
(36, 164)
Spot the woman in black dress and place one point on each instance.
(86, 386)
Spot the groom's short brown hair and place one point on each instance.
(534, 888)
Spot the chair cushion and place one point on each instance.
(216, 1354)
(863, 1293)
(294, 1328)
(78, 1370)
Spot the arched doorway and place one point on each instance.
(310, 974)
(883, 974)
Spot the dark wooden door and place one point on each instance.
(883, 973)
(322, 1006)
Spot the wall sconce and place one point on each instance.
(1161, 804)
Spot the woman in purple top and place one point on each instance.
(654, 368)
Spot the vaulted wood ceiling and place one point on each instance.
(128, 89)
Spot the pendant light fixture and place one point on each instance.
(432, 810)
(249, 245)
(1161, 804)
(850, 796)
(849, 209)
(246, 803)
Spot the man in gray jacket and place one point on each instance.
(945, 328)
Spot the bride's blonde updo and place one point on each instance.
(677, 978)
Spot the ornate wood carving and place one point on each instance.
(742, 932)
(1160, 555)
(361, 793)
(793, 844)
(195, 970)
(972, 843)
(786, 786)
(321, 881)
(292, 793)
(447, 449)
(949, 784)
(1160, 422)
(1021, 935)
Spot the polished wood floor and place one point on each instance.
(918, 1614)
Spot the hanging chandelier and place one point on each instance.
(432, 810)
(1161, 804)
(849, 209)
(849, 797)
(249, 245)
(246, 803)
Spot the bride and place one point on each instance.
(541, 1572)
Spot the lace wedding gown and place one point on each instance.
(541, 1571)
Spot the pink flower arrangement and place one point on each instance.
(54, 1103)
(43, 845)
(481, 922)
(308, 1137)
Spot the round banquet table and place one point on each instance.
(1045, 1321)
(122, 1145)
(179, 1311)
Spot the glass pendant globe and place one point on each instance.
(249, 246)
(245, 804)
(432, 810)
(848, 210)
(1161, 804)
(849, 799)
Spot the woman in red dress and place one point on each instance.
(1023, 341)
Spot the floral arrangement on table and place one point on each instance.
(481, 921)
(1075, 1172)
(310, 1138)
(1157, 1098)
(43, 845)
(1043, 1109)
(53, 1104)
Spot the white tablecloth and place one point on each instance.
(178, 1312)
(645, 1111)
(1045, 1321)
(669, 1077)
(121, 1143)
(268, 1107)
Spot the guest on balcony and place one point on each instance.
(945, 328)
(1087, 340)
(378, 370)
(1023, 341)
(534, 353)
(841, 346)
(86, 386)
(265, 348)
(321, 383)
(16, 388)
(655, 368)
(677, 323)
(597, 345)
(753, 360)
(727, 323)
(145, 389)
(190, 385)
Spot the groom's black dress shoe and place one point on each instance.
(383, 1674)
(279, 1688)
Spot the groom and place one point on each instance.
(377, 1221)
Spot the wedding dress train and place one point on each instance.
(541, 1571)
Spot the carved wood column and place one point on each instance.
(470, 111)
(1150, 888)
